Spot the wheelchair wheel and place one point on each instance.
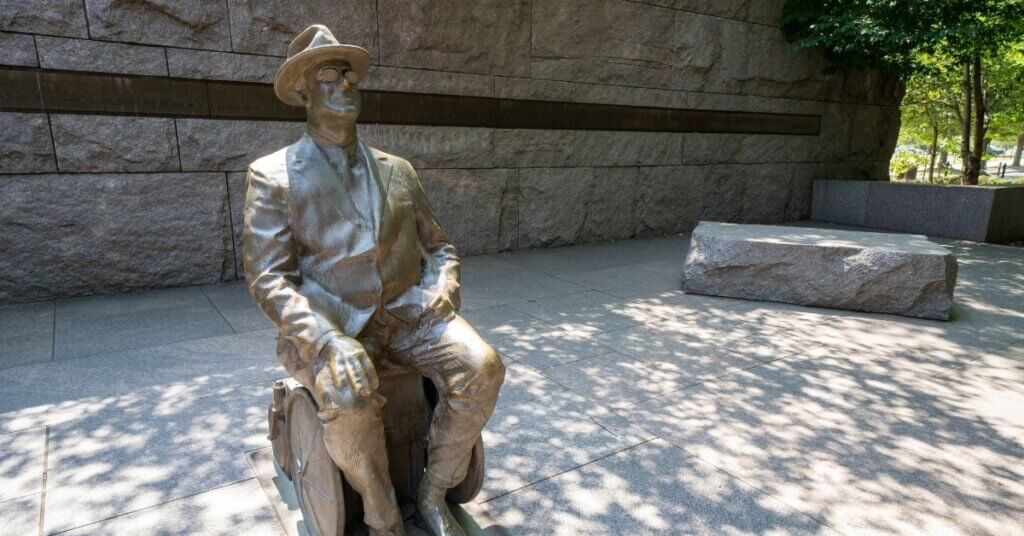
(317, 480)
(468, 489)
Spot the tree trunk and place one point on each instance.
(934, 153)
(984, 162)
(979, 122)
(1018, 151)
(965, 127)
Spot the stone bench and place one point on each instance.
(859, 271)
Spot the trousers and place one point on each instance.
(467, 373)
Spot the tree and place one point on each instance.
(899, 35)
(930, 112)
(1007, 108)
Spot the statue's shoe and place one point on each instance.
(397, 530)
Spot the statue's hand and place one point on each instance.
(344, 359)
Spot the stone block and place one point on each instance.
(631, 96)
(432, 146)
(767, 193)
(668, 199)
(111, 233)
(844, 202)
(261, 27)
(611, 210)
(231, 145)
(882, 273)
(723, 192)
(729, 9)
(383, 78)
(533, 148)
(947, 211)
(704, 57)
(777, 70)
(555, 203)
(473, 206)
(603, 41)
(25, 144)
(488, 37)
(508, 87)
(238, 184)
(608, 148)
(182, 63)
(178, 23)
(17, 49)
(85, 55)
(101, 143)
(53, 17)
(767, 12)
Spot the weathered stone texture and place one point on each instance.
(51, 17)
(607, 148)
(422, 81)
(17, 49)
(508, 87)
(83, 55)
(553, 204)
(237, 186)
(433, 147)
(777, 70)
(263, 27)
(533, 148)
(611, 207)
(767, 193)
(477, 207)
(876, 272)
(709, 53)
(488, 36)
(25, 145)
(111, 233)
(183, 63)
(632, 96)
(668, 199)
(603, 41)
(744, 148)
(180, 23)
(91, 143)
(228, 145)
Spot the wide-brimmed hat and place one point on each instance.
(314, 45)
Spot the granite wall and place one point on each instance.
(92, 203)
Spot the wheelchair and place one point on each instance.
(329, 505)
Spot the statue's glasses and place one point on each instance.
(331, 75)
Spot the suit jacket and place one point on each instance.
(314, 263)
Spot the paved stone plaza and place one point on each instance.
(629, 407)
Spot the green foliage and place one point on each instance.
(903, 162)
(893, 35)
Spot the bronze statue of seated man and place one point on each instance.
(344, 255)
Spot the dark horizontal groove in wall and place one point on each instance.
(38, 90)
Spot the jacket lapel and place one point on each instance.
(381, 171)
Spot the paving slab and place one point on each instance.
(151, 452)
(859, 444)
(26, 334)
(239, 508)
(653, 488)
(661, 366)
(50, 393)
(498, 288)
(21, 515)
(631, 279)
(101, 324)
(539, 430)
(540, 345)
(590, 312)
(21, 463)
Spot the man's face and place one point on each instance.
(332, 90)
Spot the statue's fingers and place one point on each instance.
(371, 373)
(354, 377)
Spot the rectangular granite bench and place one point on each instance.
(859, 271)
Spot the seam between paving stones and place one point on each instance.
(46, 470)
(489, 499)
(214, 305)
(176, 499)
